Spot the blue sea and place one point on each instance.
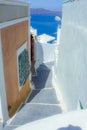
(45, 24)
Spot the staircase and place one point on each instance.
(41, 103)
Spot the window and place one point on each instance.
(23, 65)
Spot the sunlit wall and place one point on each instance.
(72, 60)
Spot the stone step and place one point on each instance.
(43, 79)
(8, 127)
(32, 112)
(43, 96)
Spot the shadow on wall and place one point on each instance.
(70, 127)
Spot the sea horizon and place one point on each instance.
(45, 24)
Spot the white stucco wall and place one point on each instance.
(44, 53)
(71, 65)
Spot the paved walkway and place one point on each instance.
(42, 102)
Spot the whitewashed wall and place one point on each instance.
(71, 65)
(44, 53)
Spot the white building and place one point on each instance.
(14, 43)
(71, 66)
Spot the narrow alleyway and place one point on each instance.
(41, 103)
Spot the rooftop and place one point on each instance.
(14, 2)
(44, 38)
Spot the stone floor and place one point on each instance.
(41, 103)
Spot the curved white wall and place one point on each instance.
(72, 60)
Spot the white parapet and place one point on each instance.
(44, 38)
(76, 120)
